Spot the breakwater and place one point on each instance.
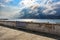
(40, 27)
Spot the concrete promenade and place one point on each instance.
(12, 34)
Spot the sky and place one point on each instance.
(15, 8)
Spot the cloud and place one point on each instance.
(50, 9)
(1, 17)
(46, 7)
(1, 5)
(27, 3)
(9, 12)
(6, 1)
(36, 7)
(57, 5)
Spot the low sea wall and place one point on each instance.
(40, 27)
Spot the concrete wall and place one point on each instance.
(48, 28)
(8, 23)
(40, 27)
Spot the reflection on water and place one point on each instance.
(38, 20)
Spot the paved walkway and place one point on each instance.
(11, 34)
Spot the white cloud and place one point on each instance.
(57, 5)
(7, 0)
(53, 12)
(4, 2)
(48, 9)
(27, 3)
(1, 17)
(2, 5)
(51, 8)
(9, 12)
(33, 5)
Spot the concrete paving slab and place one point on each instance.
(12, 34)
